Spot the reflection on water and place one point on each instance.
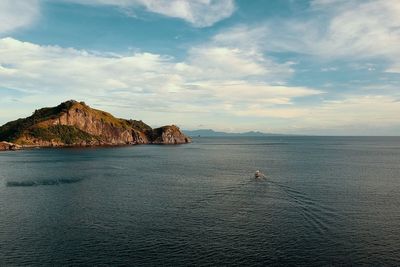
(43, 182)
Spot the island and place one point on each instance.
(74, 123)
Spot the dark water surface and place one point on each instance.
(326, 201)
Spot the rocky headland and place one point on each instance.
(8, 146)
(74, 123)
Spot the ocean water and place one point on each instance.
(325, 201)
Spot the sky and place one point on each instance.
(321, 67)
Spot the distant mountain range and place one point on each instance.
(212, 133)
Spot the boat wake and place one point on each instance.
(318, 216)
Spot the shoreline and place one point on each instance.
(15, 147)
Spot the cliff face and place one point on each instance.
(8, 146)
(168, 135)
(75, 123)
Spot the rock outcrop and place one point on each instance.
(8, 146)
(74, 123)
(168, 135)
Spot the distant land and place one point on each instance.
(74, 123)
(212, 133)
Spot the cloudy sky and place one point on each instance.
(283, 66)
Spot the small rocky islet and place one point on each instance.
(74, 123)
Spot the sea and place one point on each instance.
(324, 201)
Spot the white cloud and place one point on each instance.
(355, 115)
(211, 79)
(368, 28)
(17, 14)
(244, 93)
(329, 69)
(251, 38)
(340, 29)
(370, 114)
(238, 53)
(225, 63)
(200, 13)
(215, 89)
(146, 85)
(393, 69)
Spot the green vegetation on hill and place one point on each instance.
(106, 117)
(30, 126)
(67, 134)
(14, 129)
(139, 125)
(44, 114)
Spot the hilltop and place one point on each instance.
(74, 123)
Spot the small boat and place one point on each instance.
(259, 175)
